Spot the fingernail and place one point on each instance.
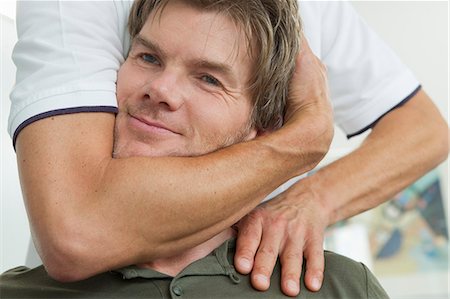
(245, 263)
(292, 286)
(315, 283)
(262, 279)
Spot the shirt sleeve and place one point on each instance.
(373, 286)
(366, 78)
(67, 57)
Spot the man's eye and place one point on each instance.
(149, 58)
(211, 80)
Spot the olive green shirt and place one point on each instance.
(211, 277)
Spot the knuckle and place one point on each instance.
(268, 251)
(291, 259)
(289, 275)
(251, 230)
(297, 231)
(279, 223)
(316, 253)
(292, 255)
(245, 222)
(245, 253)
(247, 230)
(262, 269)
(285, 212)
(257, 213)
(315, 272)
(314, 269)
(252, 219)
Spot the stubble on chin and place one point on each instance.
(127, 145)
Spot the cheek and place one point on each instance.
(120, 127)
(225, 119)
(127, 81)
(121, 85)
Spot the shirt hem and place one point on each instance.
(370, 126)
(107, 109)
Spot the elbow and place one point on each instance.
(80, 250)
(68, 256)
(62, 273)
(321, 135)
(64, 261)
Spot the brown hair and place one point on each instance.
(272, 29)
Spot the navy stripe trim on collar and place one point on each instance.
(378, 119)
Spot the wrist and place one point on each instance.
(323, 197)
(304, 139)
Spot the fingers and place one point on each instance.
(309, 85)
(315, 264)
(291, 268)
(266, 258)
(247, 243)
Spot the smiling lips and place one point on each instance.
(150, 126)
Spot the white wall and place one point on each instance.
(8, 8)
(14, 232)
(416, 30)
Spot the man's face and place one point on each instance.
(183, 89)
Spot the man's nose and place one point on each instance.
(165, 89)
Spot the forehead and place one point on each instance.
(191, 31)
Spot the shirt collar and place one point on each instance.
(215, 263)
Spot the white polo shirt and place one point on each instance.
(68, 54)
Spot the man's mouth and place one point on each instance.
(150, 126)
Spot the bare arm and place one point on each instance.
(403, 145)
(90, 213)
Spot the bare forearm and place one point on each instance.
(403, 146)
(91, 212)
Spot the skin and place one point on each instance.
(184, 98)
(382, 166)
(66, 177)
(72, 184)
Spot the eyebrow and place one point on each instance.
(140, 40)
(218, 67)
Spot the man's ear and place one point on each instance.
(252, 134)
(257, 132)
(262, 132)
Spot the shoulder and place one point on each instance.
(322, 22)
(347, 278)
(67, 57)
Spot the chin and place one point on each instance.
(129, 149)
(138, 149)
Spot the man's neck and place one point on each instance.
(174, 265)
